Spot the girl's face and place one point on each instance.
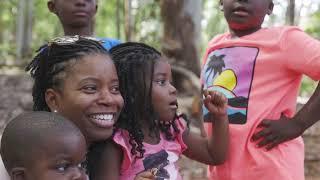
(164, 94)
(89, 97)
(246, 14)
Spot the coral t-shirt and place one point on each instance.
(260, 74)
(163, 156)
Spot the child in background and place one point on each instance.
(259, 70)
(150, 136)
(77, 18)
(43, 146)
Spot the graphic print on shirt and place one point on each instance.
(160, 161)
(230, 71)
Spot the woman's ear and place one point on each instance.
(220, 5)
(52, 99)
(52, 6)
(270, 9)
(96, 9)
(18, 173)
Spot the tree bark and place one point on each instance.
(24, 30)
(118, 10)
(181, 37)
(290, 14)
(128, 20)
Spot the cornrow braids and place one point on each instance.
(52, 62)
(135, 65)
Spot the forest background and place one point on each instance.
(181, 29)
(173, 26)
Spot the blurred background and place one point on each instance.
(181, 29)
(168, 25)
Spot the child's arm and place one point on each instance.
(108, 162)
(212, 150)
(276, 132)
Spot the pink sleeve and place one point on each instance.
(181, 124)
(121, 137)
(302, 52)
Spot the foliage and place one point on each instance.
(313, 26)
(147, 24)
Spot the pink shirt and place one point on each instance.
(260, 74)
(163, 156)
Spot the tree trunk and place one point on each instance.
(118, 10)
(181, 36)
(128, 20)
(24, 30)
(290, 14)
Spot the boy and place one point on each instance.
(260, 70)
(77, 18)
(43, 146)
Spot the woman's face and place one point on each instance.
(90, 96)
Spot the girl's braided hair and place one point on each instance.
(52, 62)
(135, 65)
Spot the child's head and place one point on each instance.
(76, 77)
(43, 146)
(74, 14)
(145, 84)
(246, 14)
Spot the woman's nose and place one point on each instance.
(78, 174)
(106, 98)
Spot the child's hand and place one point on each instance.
(216, 103)
(146, 175)
(275, 132)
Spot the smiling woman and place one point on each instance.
(70, 79)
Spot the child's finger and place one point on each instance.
(260, 134)
(147, 175)
(265, 123)
(205, 93)
(217, 98)
(267, 140)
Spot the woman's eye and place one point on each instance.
(115, 90)
(82, 165)
(89, 89)
(62, 167)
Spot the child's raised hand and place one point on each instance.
(146, 175)
(216, 103)
(275, 132)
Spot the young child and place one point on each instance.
(150, 135)
(260, 70)
(77, 18)
(43, 146)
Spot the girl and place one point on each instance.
(150, 135)
(70, 79)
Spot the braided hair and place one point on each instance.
(135, 66)
(51, 65)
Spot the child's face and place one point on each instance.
(90, 96)
(74, 12)
(61, 157)
(164, 94)
(246, 14)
